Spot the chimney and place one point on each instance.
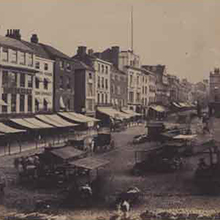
(14, 33)
(81, 51)
(90, 51)
(115, 55)
(34, 39)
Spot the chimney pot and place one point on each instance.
(34, 39)
(81, 51)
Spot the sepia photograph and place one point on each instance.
(109, 110)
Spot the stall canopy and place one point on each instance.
(66, 153)
(130, 112)
(38, 123)
(113, 113)
(2, 103)
(89, 163)
(9, 130)
(158, 108)
(77, 117)
(24, 123)
(55, 120)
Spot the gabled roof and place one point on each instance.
(79, 65)
(54, 52)
(38, 49)
(14, 44)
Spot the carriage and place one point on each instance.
(159, 158)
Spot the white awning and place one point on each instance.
(55, 120)
(38, 123)
(113, 113)
(48, 80)
(9, 130)
(176, 104)
(158, 108)
(47, 100)
(39, 100)
(24, 123)
(130, 112)
(62, 103)
(3, 103)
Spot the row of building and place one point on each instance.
(38, 78)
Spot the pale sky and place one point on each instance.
(184, 35)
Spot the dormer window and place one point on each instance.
(68, 66)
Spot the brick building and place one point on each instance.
(63, 86)
(84, 88)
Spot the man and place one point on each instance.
(125, 208)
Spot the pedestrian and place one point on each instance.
(125, 208)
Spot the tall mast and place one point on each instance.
(132, 31)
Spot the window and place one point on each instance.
(14, 56)
(68, 83)
(106, 98)
(137, 80)
(37, 105)
(102, 98)
(37, 83)
(5, 54)
(30, 59)
(98, 81)
(131, 96)
(62, 64)
(90, 90)
(119, 91)
(29, 103)
(103, 82)
(37, 65)
(68, 104)
(106, 69)
(5, 78)
(98, 98)
(45, 84)
(138, 97)
(22, 80)
(5, 99)
(45, 105)
(90, 105)
(103, 68)
(30, 81)
(22, 58)
(13, 103)
(106, 83)
(68, 66)
(12, 79)
(90, 75)
(22, 103)
(131, 80)
(46, 66)
(61, 82)
(98, 67)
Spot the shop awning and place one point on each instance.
(38, 123)
(185, 137)
(39, 100)
(9, 130)
(77, 117)
(158, 108)
(89, 163)
(48, 80)
(113, 113)
(62, 103)
(66, 153)
(24, 123)
(130, 112)
(55, 120)
(47, 100)
(40, 79)
(176, 104)
(3, 103)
